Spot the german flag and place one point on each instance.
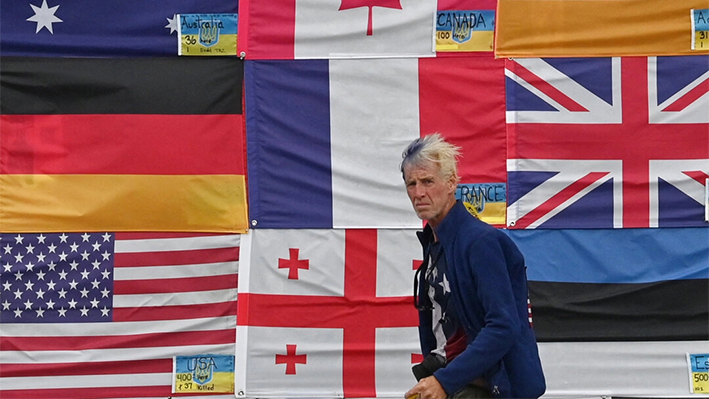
(122, 144)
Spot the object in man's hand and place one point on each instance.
(427, 367)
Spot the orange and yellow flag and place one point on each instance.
(599, 28)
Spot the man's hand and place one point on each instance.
(427, 388)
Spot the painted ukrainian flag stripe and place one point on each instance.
(578, 28)
(50, 203)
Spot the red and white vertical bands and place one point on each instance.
(173, 295)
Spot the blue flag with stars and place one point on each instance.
(92, 28)
(56, 278)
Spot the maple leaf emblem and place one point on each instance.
(349, 4)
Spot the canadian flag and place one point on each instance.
(302, 29)
(327, 313)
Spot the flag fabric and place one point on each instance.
(645, 369)
(96, 28)
(130, 144)
(101, 315)
(658, 294)
(325, 137)
(327, 312)
(623, 139)
(478, 15)
(329, 29)
(589, 28)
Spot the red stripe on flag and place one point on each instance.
(551, 91)
(172, 258)
(139, 235)
(562, 196)
(93, 368)
(122, 144)
(77, 343)
(698, 175)
(164, 391)
(465, 102)
(148, 313)
(264, 38)
(689, 97)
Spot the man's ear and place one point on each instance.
(453, 183)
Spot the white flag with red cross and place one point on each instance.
(327, 313)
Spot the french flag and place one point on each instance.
(325, 137)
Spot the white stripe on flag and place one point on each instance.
(173, 298)
(110, 355)
(126, 328)
(177, 244)
(366, 151)
(647, 369)
(178, 271)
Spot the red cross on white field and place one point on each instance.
(290, 359)
(293, 264)
(359, 313)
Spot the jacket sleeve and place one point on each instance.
(485, 303)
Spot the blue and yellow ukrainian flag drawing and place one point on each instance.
(203, 373)
(465, 30)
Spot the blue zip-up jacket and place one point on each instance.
(488, 282)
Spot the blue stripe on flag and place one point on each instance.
(288, 141)
(614, 255)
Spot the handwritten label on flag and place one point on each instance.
(203, 373)
(486, 200)
(458, 31)
(698, 372)
(700, 29)
(207, 34)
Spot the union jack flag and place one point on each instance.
(607, 142)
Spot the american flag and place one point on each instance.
(101, 315)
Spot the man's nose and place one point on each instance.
(418, 191)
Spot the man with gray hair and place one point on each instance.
(471, 291)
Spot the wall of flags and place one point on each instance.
(140, 191)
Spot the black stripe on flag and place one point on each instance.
(168, 85)
(676, 310)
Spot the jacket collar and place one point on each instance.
(447, 230)
(426, 236)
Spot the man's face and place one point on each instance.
(431, 194)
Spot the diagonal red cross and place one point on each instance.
(290, 359)
(359, 312)
(635, 141)
(293, 264)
